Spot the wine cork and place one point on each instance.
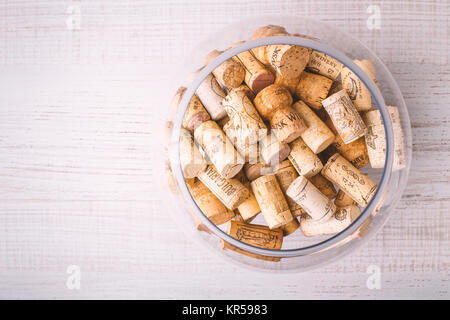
(192, 162)
(195, 113)
(287, 60)
(219, 149)
(324, 186)
(312, 89)
(211, 95)
(348, 178)
(168, 127)
(345, 117)
(315, 203)
(273, 151)
(257, 76)
(376, 139)
(229, 74)
(303, 159)
(274, 104)
(255, 170)
(248, 209)
(243, 87)
(271, 201)
(243, 117)
(211, 56)
(343, 199)
(287, 125)
(255, 235)
(356, 90)
(199, 225)
(248, 151)
(267, 31)
(229, 191)
(238, 217)
(271, 98)
(288, 83)
(190, 181)
(209, 204)
(176, 99)
(286, 174)
(170, 182)
(263, 32)
(290, 227)
(364, 229)
(355, 151)
(368, 67)
(341, 219)
(323, 64)
(317, 136)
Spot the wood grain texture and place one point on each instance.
(80, 131)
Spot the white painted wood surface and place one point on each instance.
(80, 122)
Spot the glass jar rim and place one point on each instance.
(314, 45)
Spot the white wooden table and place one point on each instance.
(80, 119)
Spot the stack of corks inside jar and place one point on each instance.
(283, 131)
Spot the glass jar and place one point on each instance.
(298, 252)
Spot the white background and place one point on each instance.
(80, 119)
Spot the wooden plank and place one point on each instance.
(81, 163)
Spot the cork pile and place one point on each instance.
(283, 131)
